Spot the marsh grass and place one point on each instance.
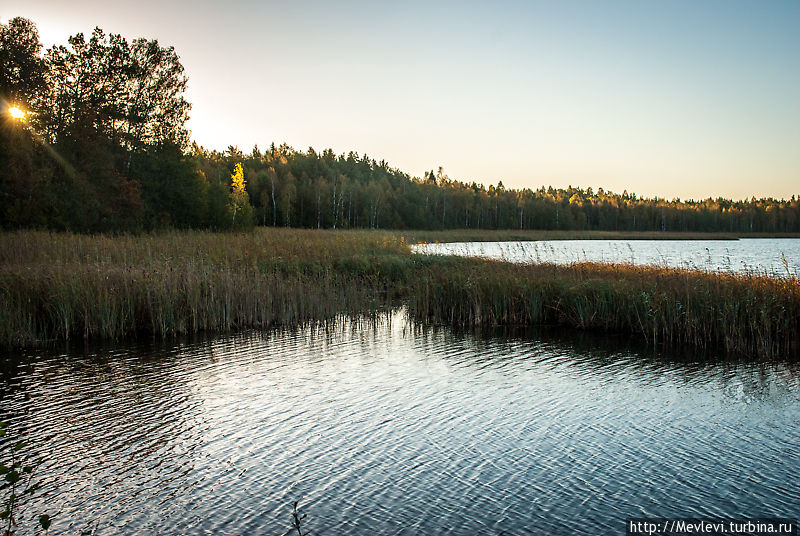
(747, 314)
(64, 286)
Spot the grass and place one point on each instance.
(64, 286)
(739, 314)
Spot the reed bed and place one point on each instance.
(64, 286)
(747, 314)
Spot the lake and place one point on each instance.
(388, 429)
(774, 256)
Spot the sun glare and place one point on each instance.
(16, 113)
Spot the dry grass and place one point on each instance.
(740, 314)
(63, 286)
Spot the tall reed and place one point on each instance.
(744, 314)
(65, 286)
(62, 286)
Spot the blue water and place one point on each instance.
(385, 429)
(773, 256)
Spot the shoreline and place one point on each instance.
(466, 235)
(60, 286)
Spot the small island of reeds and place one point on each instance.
(60, 286)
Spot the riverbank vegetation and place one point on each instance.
(64, 286)
(56, 286)
(98, 142)
(737, 314)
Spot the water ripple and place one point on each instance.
(772, 256)
(392, 430)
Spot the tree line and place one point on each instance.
(104, 147)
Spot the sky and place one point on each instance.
(688, 99)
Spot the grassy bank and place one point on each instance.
(63, 286)
(738, 314)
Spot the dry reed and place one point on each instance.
(740, 314)
(62, 286)
(65, 286)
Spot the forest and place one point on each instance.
(93, 138)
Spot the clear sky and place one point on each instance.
(672, 98)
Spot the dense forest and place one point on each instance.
(93, 138)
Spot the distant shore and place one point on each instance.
(61, 286)
(510, 235)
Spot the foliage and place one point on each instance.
(99, 107)
(129, 93)
(324, 190)
(21, 68)
(174, 192)
(106, 149)
(239, 202)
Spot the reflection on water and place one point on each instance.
(780, 256)
(390, 430)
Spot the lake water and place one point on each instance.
(385, 429)
(763, 255)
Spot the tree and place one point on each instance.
(321, 192)
(86, 88)
(288, 193)
(272, 178)
(239, 200)
(172, 188)
(21, 68)
(155, 110)
(132, 93)
(21, 79)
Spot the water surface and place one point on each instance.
(388, 430)
(774, 256)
